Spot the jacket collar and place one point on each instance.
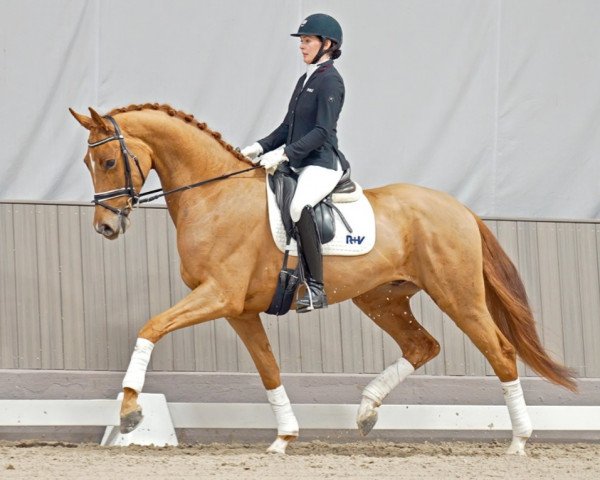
(320, 68)
(325, 64)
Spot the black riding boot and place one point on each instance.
(312, 259)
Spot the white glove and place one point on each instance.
(252, 152)
(273, 158)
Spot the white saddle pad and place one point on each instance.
(359, 216)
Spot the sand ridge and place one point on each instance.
(316, 459)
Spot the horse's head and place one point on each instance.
(118, 166)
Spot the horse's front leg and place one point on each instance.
(206, 302)
(250, 329)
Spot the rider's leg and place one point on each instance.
(312, 259)
(314, 184)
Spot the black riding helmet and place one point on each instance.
(323, 26)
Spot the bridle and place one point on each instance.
(129, 189)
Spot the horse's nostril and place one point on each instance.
(105, 230)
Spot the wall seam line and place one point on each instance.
(496, 110)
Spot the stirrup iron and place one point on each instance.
(314, 298)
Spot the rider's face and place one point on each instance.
(309, 47)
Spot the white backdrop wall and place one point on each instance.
(494, 101)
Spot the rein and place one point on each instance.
(129, 189)
(189, 187)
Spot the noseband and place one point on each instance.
(128, 189)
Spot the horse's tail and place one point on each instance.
(507, 301)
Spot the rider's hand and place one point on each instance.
(252, 152)
(271, 159)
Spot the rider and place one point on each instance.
(310, 137)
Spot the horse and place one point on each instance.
(426, 240)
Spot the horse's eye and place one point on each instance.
(109, 164)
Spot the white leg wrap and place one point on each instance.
(286, 420)
(387, 380)
(519, 417)
(278, 446)
(136, 373)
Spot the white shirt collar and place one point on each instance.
(312, 68)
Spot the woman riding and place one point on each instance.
(307, 139)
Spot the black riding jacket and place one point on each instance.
(309, 127)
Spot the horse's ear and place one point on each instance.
(99, 122)
(86, 122)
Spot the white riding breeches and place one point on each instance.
(314, 184)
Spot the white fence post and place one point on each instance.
(156, 428)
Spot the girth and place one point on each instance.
(283, 183)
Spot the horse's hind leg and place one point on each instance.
(250, 329)
(477, 323)
(459, 290)
(389, 307)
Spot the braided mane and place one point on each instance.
(187, 118)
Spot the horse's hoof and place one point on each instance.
(367, 416)
(280, 444)
(517, 447)
(130, 421)
(366, 424)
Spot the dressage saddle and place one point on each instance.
(283, 183)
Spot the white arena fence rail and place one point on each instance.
(161, 418)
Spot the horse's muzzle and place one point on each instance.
(112, 226)
(107, 231)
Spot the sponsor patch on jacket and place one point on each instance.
(310, 90)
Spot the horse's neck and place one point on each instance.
(181, 158)
(182, 154)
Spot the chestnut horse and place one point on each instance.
(426, 240)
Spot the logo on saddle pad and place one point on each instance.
(350, 240)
